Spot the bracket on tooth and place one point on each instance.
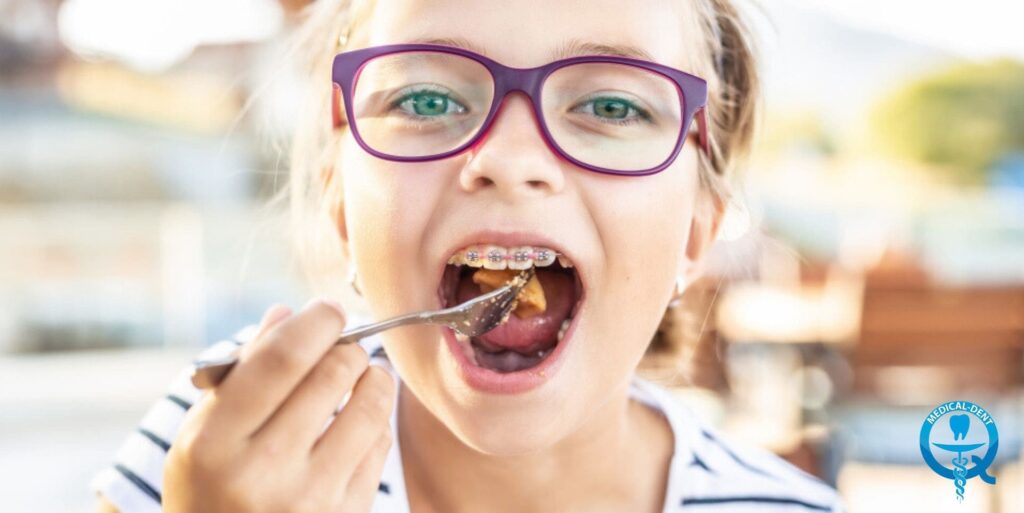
(496, 258)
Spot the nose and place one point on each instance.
(512, 158)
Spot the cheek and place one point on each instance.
(644, 238)
(645, 234)
(388, 206)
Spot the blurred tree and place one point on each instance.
(962, 119)
(789, 127)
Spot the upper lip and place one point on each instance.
(508, 239)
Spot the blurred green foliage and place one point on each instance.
(961, 119)
(803, 127)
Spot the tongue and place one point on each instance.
(531, 334)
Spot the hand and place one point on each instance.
(257, 443)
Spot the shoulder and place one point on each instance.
(736, 473)
(721, 475)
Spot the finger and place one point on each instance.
(353, 431)
(362, 489)
(272, 365)
(276, 313)
(271, 317)
(304, 413)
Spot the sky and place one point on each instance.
(975, 29)
(165, 31)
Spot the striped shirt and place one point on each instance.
(708, 473)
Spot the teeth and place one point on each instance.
(563, 328)
(542, 352)
(491, 256)
(519, 258)
(466, 346)
(543, 257)
(473, 256)
(494, 257)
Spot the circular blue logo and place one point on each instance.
(947, 436)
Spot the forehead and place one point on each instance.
(526, 33)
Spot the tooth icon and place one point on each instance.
(959, 425)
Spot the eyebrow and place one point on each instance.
(571, 48)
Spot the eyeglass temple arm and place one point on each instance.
(336, 104)
(702, 126)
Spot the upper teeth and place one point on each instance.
(499, 257)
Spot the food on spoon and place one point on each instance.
(530, 300)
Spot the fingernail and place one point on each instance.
(336, 305)
(327, 301)
(275, 313)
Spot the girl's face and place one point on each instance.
(627, 237)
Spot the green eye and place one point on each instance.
(611, 108)
(614, 110)
(430, 104)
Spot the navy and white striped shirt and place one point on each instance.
(708, 473)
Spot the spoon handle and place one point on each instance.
(209, 373)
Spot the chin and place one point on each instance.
(514, 434)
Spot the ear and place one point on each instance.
(336, 208)
(704, 226)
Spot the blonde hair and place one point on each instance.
(727, 60)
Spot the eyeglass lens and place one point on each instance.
(608, 115)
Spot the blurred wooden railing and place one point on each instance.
(967, 338)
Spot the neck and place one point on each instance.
(624, 451)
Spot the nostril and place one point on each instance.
(536, 184)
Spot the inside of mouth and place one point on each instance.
(520, 342)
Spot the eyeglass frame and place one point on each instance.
(529, 81)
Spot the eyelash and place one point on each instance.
(396, 104)
(642, 114)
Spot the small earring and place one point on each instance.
(680, 288)
(352, 280)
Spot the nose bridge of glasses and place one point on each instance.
(525, 81)
(501, 113)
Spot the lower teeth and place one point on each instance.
(563, 328)
(508, 361)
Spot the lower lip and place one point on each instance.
(493, 382)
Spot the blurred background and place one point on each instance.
(873, 268)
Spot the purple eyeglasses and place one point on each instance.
(608, 114)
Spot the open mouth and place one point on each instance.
(544, 309)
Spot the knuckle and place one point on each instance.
(281, 357)
(381, 380)
(193, 448)
(371, 415)
(386, 439)
(352, 358)
(330, 314)
(235, 491)
(339, 367)
(379, 389)
(272, 449)
(335, 308)
(306, 503)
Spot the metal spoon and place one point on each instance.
(472, 318)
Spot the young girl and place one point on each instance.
(590, 140)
